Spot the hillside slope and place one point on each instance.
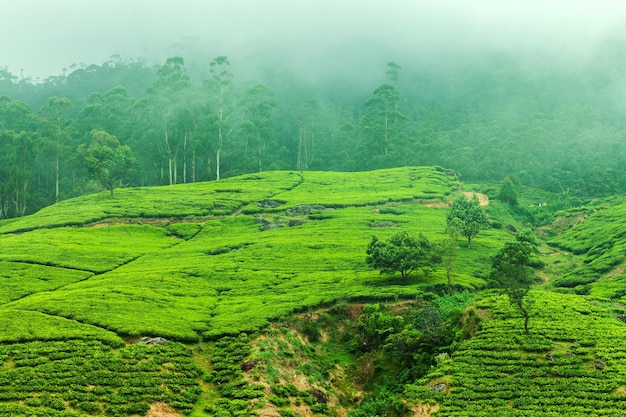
(571, 365)
(219, 269)
(201, 260)
(194, 263)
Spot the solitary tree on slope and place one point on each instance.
(403, 253)
(468, 216)
(512, 271)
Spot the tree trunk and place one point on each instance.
(169, 167)
(301, 162)
(185, 160)
(259, 152)
(526, 318)
(56, 181)
(193, 166)
(218, 153)
(218, 163)
(168, 150)
(24, 188)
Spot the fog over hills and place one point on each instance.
(315, 38)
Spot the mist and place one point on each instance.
(315, 39)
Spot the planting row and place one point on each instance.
(88, 376)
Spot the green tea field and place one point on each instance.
(269, 269)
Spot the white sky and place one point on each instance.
(44, 36)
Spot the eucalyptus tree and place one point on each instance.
(19, 147)
(221, 107)
(188, 114)
(308, 123)
(111, 111)
(393, 72)
(22, 152)
(57, 129)
(160, 104)
(257, 127)
(382, 128)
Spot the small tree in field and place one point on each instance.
(468, 216)
(403, 253)
(512, 271)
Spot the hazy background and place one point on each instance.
(313, 37)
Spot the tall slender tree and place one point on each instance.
(381, 125)
(259, 103)
(221, 93)
(163, 96)
(57, 129)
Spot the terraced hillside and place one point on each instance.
(202, 260)
(573, 364)
(596, 241)
(215, 268)
(193, 263)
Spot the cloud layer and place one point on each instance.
(43, 37)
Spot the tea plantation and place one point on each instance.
(219, 268)
(572, 364)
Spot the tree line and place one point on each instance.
(553, 129)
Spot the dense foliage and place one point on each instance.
(554, 128)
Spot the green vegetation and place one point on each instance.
(596, 237)
(404, 253)
(107, 161)
(468, 217)
(572, 364)
(265, 280)
(553, 125)
(90, 378)
(511, 270)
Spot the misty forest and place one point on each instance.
(220, 236)
(558, 128)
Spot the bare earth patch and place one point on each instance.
(162, 410)
(424, 410)
(482, 198)
(616, 272)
